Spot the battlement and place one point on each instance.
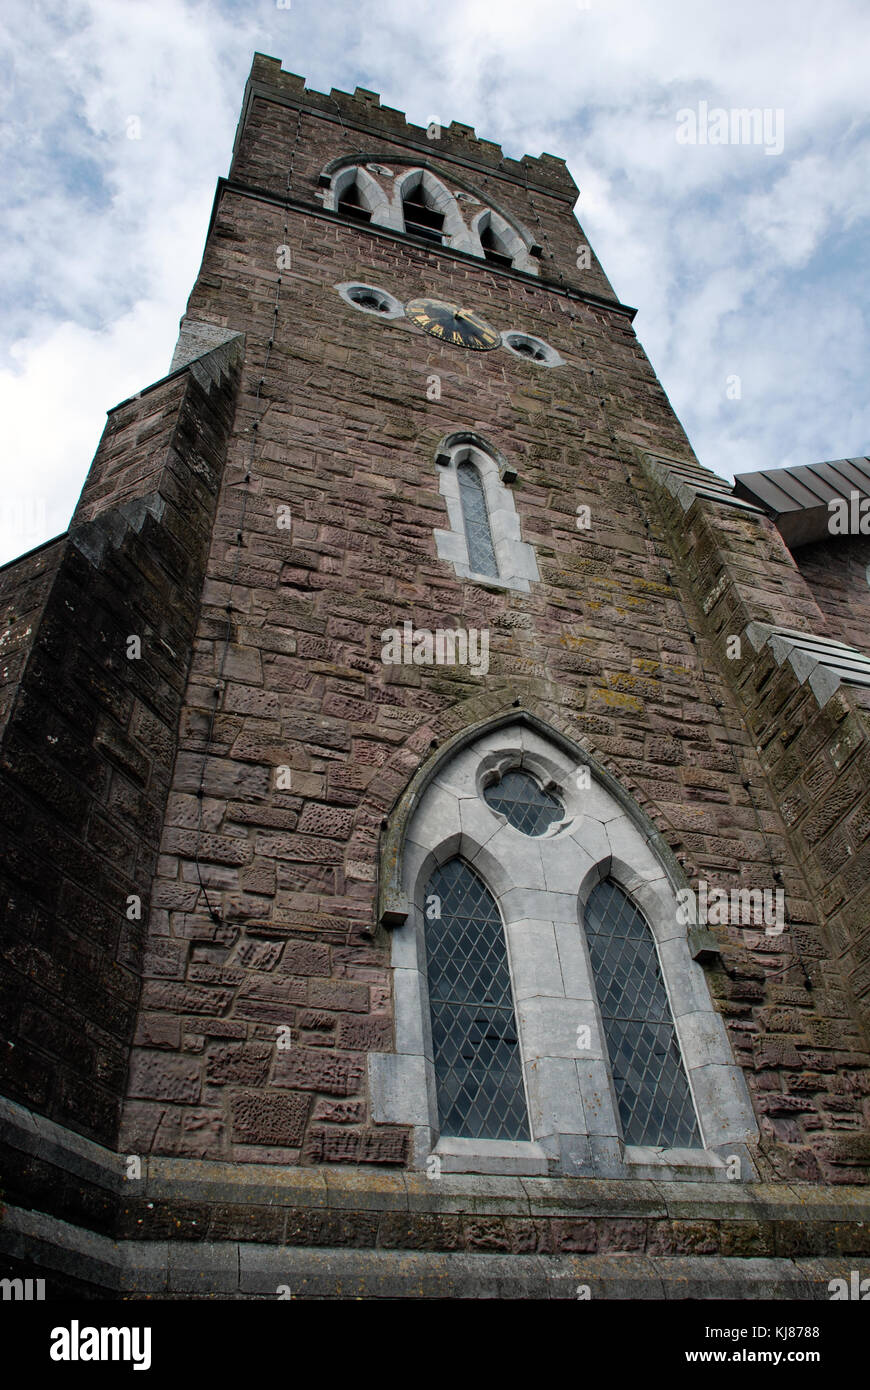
(362, 110)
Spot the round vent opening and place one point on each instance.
(526, 349)
(532, 349)
(370, 299)
(367, 299)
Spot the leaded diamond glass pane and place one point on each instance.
(523, 803)
(652, 1090)
(478, 1076)
(481, 555)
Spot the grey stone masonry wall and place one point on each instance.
(263, 923)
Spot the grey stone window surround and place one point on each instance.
(551, 357)
(541, 885)
(371, 194)
(514, 244)
(517, 565)
(394, 310)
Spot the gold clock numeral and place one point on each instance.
(451, 325)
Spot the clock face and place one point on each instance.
(450, 324)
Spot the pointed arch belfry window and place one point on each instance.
(652, 1089)
(416, 200)
(495, 249)
(423, 206)
(422, 217)
(501, 244)
(350, 204)
(478, 1073)
(354, 193)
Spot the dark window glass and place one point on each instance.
(523, 803)
(481, 555)
(420, 218)
(478, 1075)
(652, 1090)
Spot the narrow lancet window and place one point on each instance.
(652, 1090)
(481, 553)
(478, 1073)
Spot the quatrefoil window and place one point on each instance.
(524, 805)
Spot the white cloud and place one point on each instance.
(738, 262)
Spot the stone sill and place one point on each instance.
(675, 1165)
(491, 1156)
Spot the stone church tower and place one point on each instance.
(435, 806)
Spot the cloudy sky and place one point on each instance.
(743, 264)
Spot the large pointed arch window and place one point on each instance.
(652, 1089)
(549, 1015)
(478, 1074)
